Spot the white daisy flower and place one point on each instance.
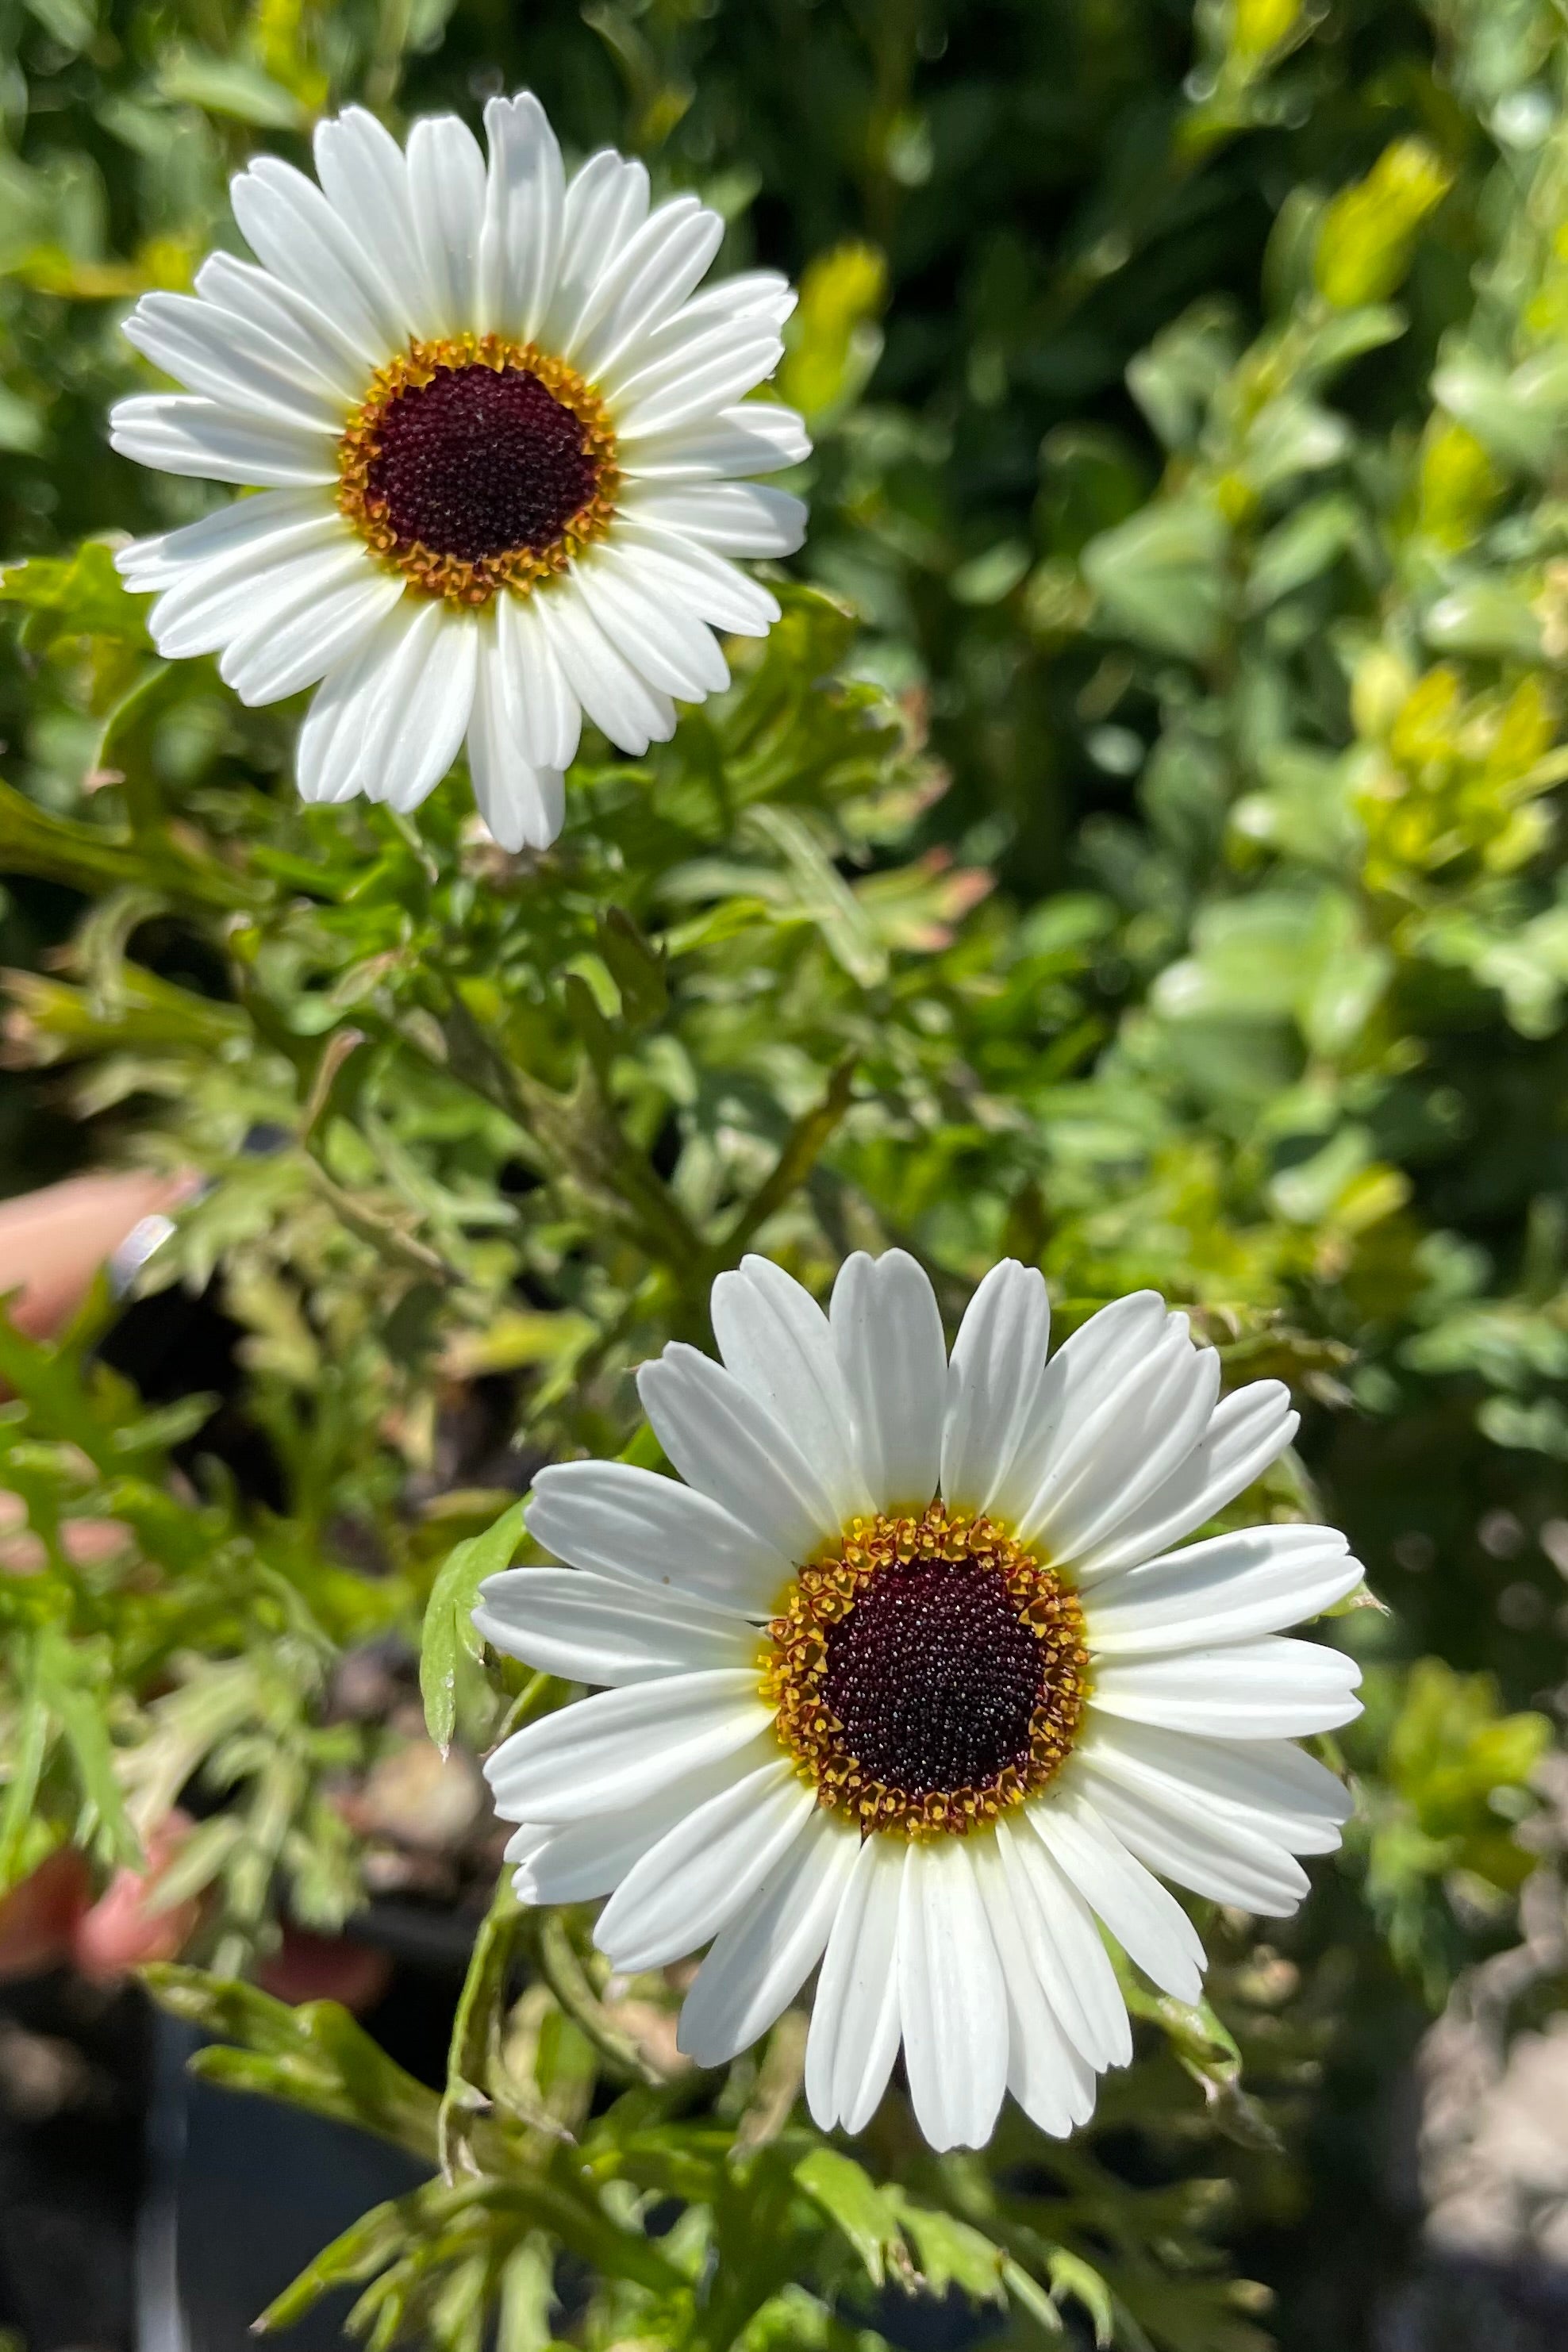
(502, 451)
(905, 1680)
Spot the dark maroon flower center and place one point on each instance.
(934, 1678)
(480, 462)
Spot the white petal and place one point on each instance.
(854, 2035)
(953, 1997)
(365, 177)
(686, 1887)
(617, 1748)
(749, 519)
(574, 1861)
(243, 528)
(236, 544)
(1112, 1455)
(294, 231)
(613, 693)
(886, 1329)
(519, 244)
(1247, 1430)
(629, 1523)
(703, 339)
(707, 585)
(996, 1361)
(215, 600)
(1267, 1689)
(747, 294)
(606, 204)
(1214, 1833)
(713, 370)
(232, 361)
(775, 1338)
(726, 1444)
(595, 1628)
(754, 437)
(1268, 1785)
(1049, 2078)
(548, 714)
(523, 806)
(652, 276)
(1150, 1925)
(762, 1957)
(670, 648)
(346, 707)
(302, 330)
(1069, 1956)
(295, 646)
(180, 433)
(1217, 1858)
(1082, 1371)
(1259, 1581)
(421, 727)
(446, 190)
(388, 721)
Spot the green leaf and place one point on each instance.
(636, 968)
(315, 2056)
(1516, 417)
(1369, 231)
(1332, 342)
(75, 595)
(1160, 577)
(823, 897)
(1207, 2051)
(1031, 2297)
(1301, 547)
(73, 1690)
(475, 2026)
(867, 2215)
(949, 2252)
(1486, 616)
(449, 1635)
(232, 87)
(1070, 2275)
(197, 1864)
(23, 430)
(90, 857)
(1175, 381)
(366, 2247)
(72, 23)
(29, 1748)
(833, 341)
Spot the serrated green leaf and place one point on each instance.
(637, 967)
(1071, 2275)
(1032, 2298)
(73, 1691)
(866, 2216)
(75, 595)
(449, 1635)
(356, 2254)
(950, 2252)
(315, 2055)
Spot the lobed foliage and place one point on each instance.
(1135, 851)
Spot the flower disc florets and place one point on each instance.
(930, 1675)
(475, 464)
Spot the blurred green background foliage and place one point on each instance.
(1136, 851)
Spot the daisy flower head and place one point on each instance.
(909, 1679)
(502, 449)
